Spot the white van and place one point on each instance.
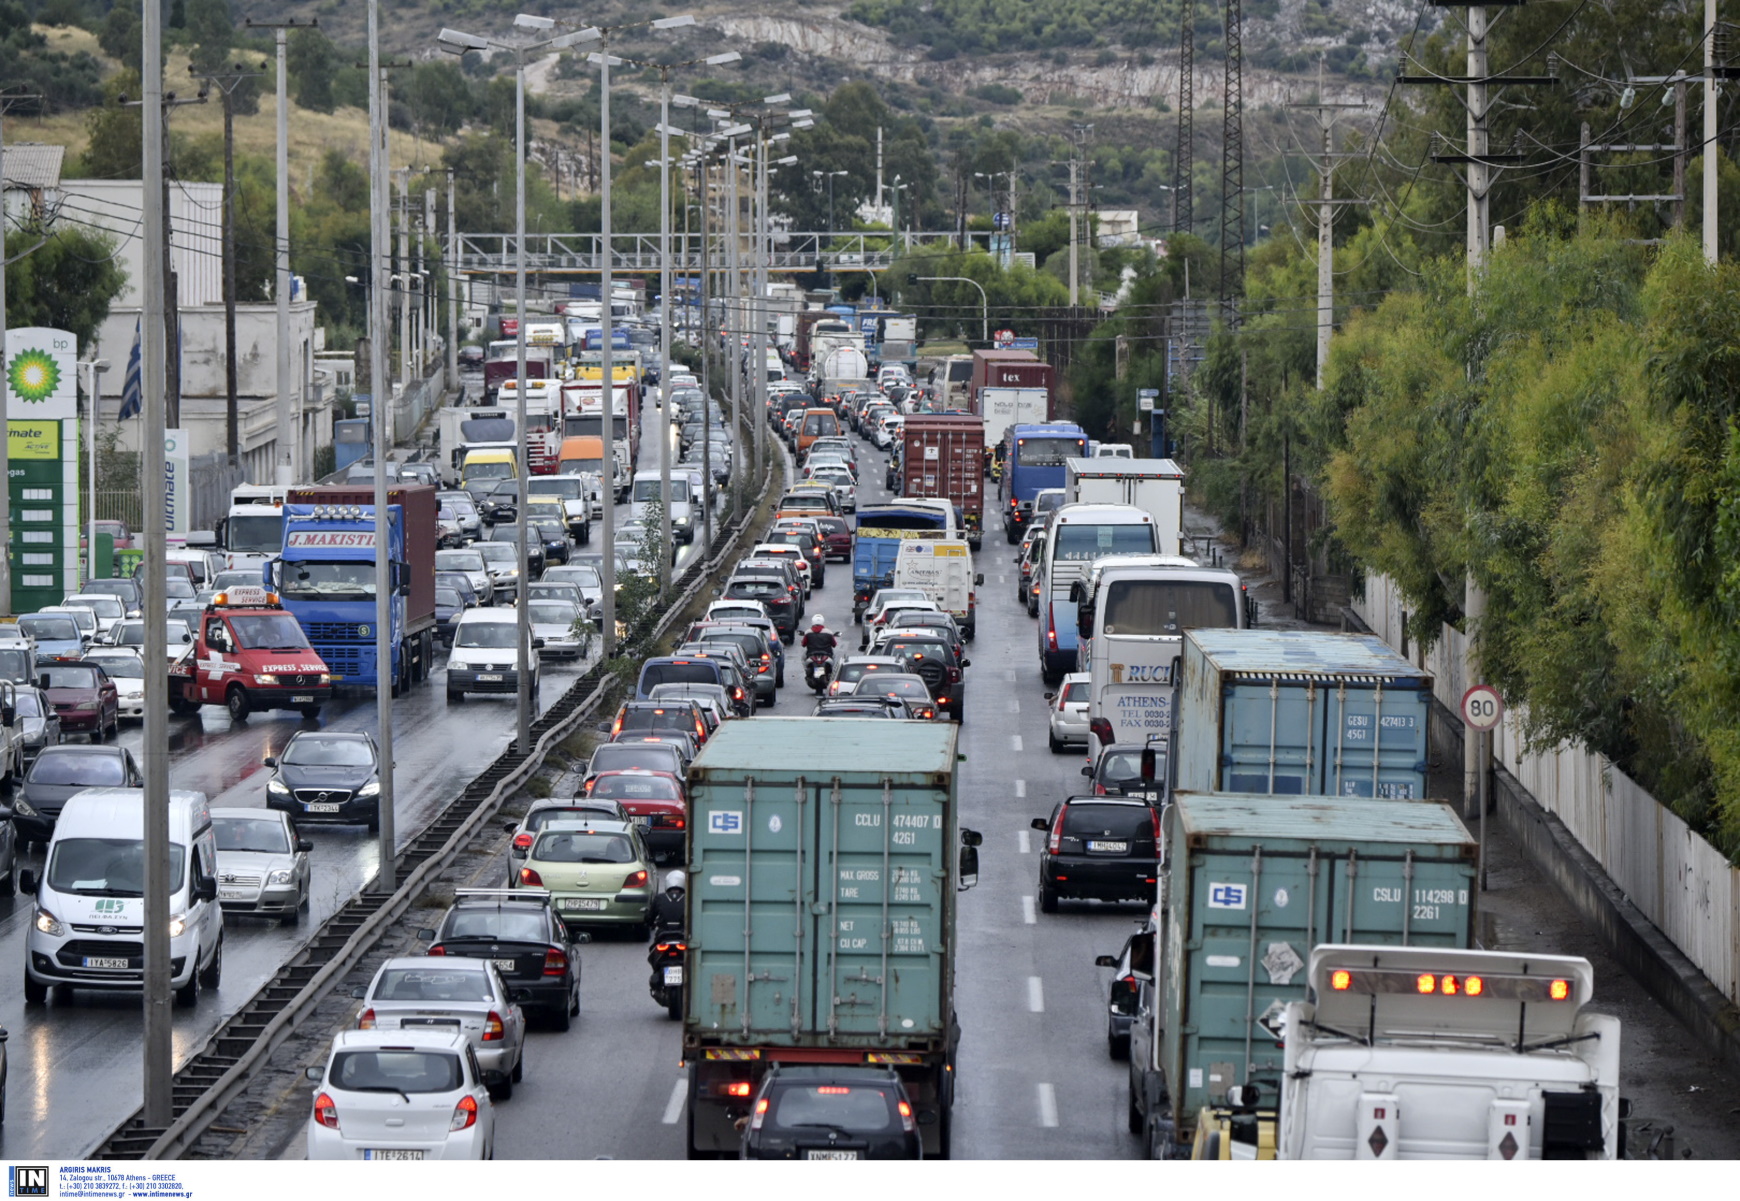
(90, 901)
(943, 569)
(484, 659)
(644, 493)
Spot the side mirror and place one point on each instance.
(1150, 765)
(1088, 771)
(927, 1117)
(493, 1079)
(966, 662)
(359, 992)
(1105, 961)
(522, 996)
(1051, 696)
(426, 934)
(8, 715)
(510, 826)
(27, 882)
(42, 680)
(979, 580)
(972, 838)
(537, 644)
(270, 761)
(1040, 823)
(969, 869)
(314, 1074)
(582, 937)
(205, 890)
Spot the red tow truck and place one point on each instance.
(250, 653)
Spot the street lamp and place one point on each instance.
(454, 42)
(830, 176)
(984, 300)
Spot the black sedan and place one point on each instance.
(529, 945)
(1099, 848)
(449, 604)
(830, 1111)
(327, 776)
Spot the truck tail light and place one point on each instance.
(464, 1114)
(493, 1030)
(325, 1112)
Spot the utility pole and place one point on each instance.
(1184, 155)
(228, 84)
(380, 417)
(452, 286)
(1074, 238)
(1710, 132)
(7, 101)
(1326, 116)
(424, 273)
(403, 211)
(1232, 165)
(289, 400)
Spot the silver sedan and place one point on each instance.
(262, 863)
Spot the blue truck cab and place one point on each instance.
(325, 577)
(1034, 458)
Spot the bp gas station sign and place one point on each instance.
(43, 465)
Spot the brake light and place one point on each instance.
(523, 842)
(437, 949)
(635, 880)
(1050, 624)
(833, 1090)
(906, 1122)
(740, 1088)
(531, 878)
(1056, 843)
(493, 1030)
(555, 963)
(325, 1112)
(1154, 817)
(365, 1020)
(665, 948)
(464, 1114)
(760, 1112)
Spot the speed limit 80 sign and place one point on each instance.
(1482, 707)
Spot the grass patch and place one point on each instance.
(540, 786)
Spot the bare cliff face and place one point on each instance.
(1130, 80)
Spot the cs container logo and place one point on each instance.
(1227, 896)
(725, 821)
(27, 1181)
(33, 376)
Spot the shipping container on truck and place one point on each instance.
(821, 912)
(342, 627)
(943, 456)
(805, 321)
(1252, 884)
(1002, 408)
(1009, 369)
(503, 360)
(1300, 712)
(1153, 485)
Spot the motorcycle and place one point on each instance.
(666, 956)
(818, 670)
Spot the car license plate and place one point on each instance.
(394, 1153)
(505, 965)
(1102, 845)
(493, 677)
(831, 1155)
(591, 904)
(674, 975)
(642, 820)
(322, 806)
(302, 700)
(104, 961)
(232, 894)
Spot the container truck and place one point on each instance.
(326, 579)
(253, 530)
(821, 913)
(1299, 712)
(954, 383)
(1154, 485)
(942, 456)
(1003, 407)
(1250, 886)
(1009, 369)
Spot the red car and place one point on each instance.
(837, 537)
(84, 698)
(656, 802)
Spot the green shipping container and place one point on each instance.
(1253, 883)
(822, 883)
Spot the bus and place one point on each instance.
(1034, 458)
(1076, 535)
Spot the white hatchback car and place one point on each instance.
(127, 670)
(1069, 712)
(416, 992)
(401, 1095)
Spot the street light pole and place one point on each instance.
(984, 300)
(380, 412)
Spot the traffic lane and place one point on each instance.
(81, 1060)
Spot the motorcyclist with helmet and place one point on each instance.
(819, 640)
(667, 908)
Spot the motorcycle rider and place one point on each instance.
(819, 641)
(667, 907)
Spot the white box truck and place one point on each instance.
(1156, 486)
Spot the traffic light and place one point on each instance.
(912, 279)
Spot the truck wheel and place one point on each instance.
(1133, 1118)
(236, 701)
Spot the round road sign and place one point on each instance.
(1482, 707)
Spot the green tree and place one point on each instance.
(114, 133)
(63, 280)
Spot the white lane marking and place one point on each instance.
(1008, 673)
(1035, 991)
(1020, 785)
(1020, 835)
(1047, 1105)
(1014, 701)
(1015, 741)
(1027, 914)
(674, 1108)
(1002, 577)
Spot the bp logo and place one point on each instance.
(33, 376)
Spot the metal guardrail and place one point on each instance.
(243, 1044)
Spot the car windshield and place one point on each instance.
(261, 534)
(538, 819)
(106, 867)
(15, 665)
(72, 675)
(263, 835)
(500, 552)
(585, 576)
(649, 756)
(487, 635)
(637, 788)
(654, 674)
(755, 589)
(1124, 821)
(431, 984)
(268, 632)
(102, 606)
(1144, 608)
(496, 470)
(448, 598)
(176, 588)
(1086, 542)
(458, 560)
(316, 580)
(553, 613)
(122, 667)
(396, 1071)
(329, 752)
(517, 923)
(116, 588)
(554, 485)
(1074, 693)
(582, 846)
(853, 672)
(1048, 452)
(56, 629)
(1119, 767)
(81, 768)
(902, 688)
(28, 706)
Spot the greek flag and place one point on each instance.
(132, 388)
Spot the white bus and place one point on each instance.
(1076, 535)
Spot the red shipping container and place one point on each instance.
(1008, 369)
(944, 456)
(418, 503)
